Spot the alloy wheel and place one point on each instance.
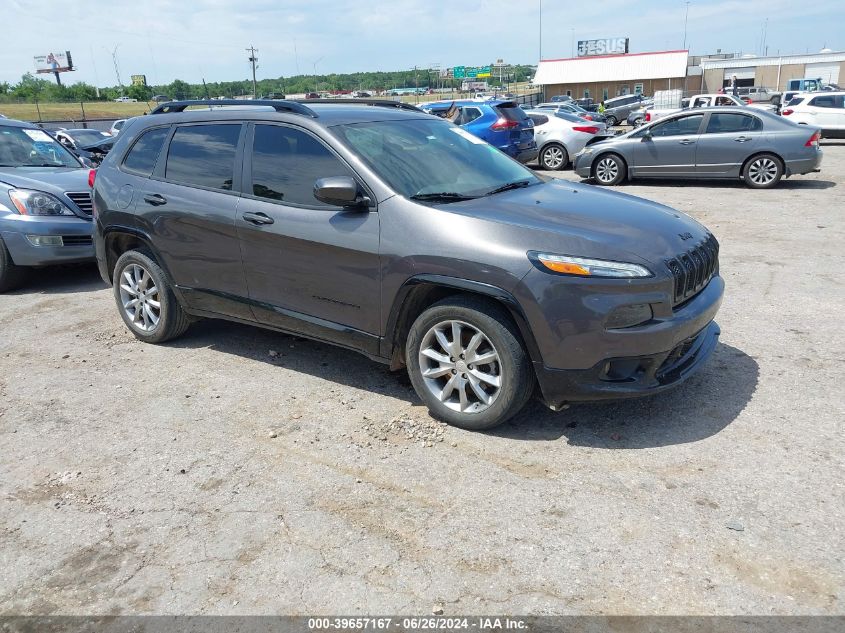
(763, 171)
(139, 297)
(607, 170)
(460, 366)
(553, 157)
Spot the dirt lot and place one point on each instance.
(213, 476)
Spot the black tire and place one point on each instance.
(763, 171)
(11, 275)
(611, 121)
(554, 157)
(172, 319)
(513, 365)
(609, 170)
(638, 122)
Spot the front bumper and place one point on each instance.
(629, 377)
(583, 165)
(76, 233)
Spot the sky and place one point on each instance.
(196, 39)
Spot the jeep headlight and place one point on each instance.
(30, 202)
(586, 267)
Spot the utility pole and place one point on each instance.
(540, 15)
(252, 59)
(686, 17)
(116, 68)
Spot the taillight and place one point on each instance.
(787, 112)
(747, 100)
(814, 140)
(92, 175)
(504, 124)
(587, 129)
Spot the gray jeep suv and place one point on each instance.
(379, 228)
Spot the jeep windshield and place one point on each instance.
(433, 160)
(26, 147)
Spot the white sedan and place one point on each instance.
(561, 135)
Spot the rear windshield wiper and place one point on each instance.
(519, 184)
(443, 196)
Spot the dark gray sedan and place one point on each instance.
(728, 142)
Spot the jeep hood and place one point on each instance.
(588, 221)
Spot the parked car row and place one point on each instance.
(382, 229)
(499, 122)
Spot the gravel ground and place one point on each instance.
(241, 471)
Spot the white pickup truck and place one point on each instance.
(706, 101)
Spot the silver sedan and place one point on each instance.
(560, 136)
(755, 146)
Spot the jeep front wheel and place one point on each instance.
(467, 363)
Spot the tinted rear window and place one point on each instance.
(142, 158)
(569, 117)
(203, 155)
(511, 113)
(539, 119)
(827, 101)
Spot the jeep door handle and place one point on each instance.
(258, 218)
(686, 141)
(155, 199)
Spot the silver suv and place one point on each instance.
(45, 203)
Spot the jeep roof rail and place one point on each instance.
(385, 103)
(279, 105)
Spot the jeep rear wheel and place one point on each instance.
(145, 299)
(467, 363)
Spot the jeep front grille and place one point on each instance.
(693, 269)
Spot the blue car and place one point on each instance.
(45, 203)
(501, 123)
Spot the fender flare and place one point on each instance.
(507, 299)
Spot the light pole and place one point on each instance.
(540, 15)
(686, 17)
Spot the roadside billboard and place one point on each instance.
(53, 63)
(606, 46)
(139, 80)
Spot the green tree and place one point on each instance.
(141, 93)
(180, 90)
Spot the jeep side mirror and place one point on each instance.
(339, 191)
